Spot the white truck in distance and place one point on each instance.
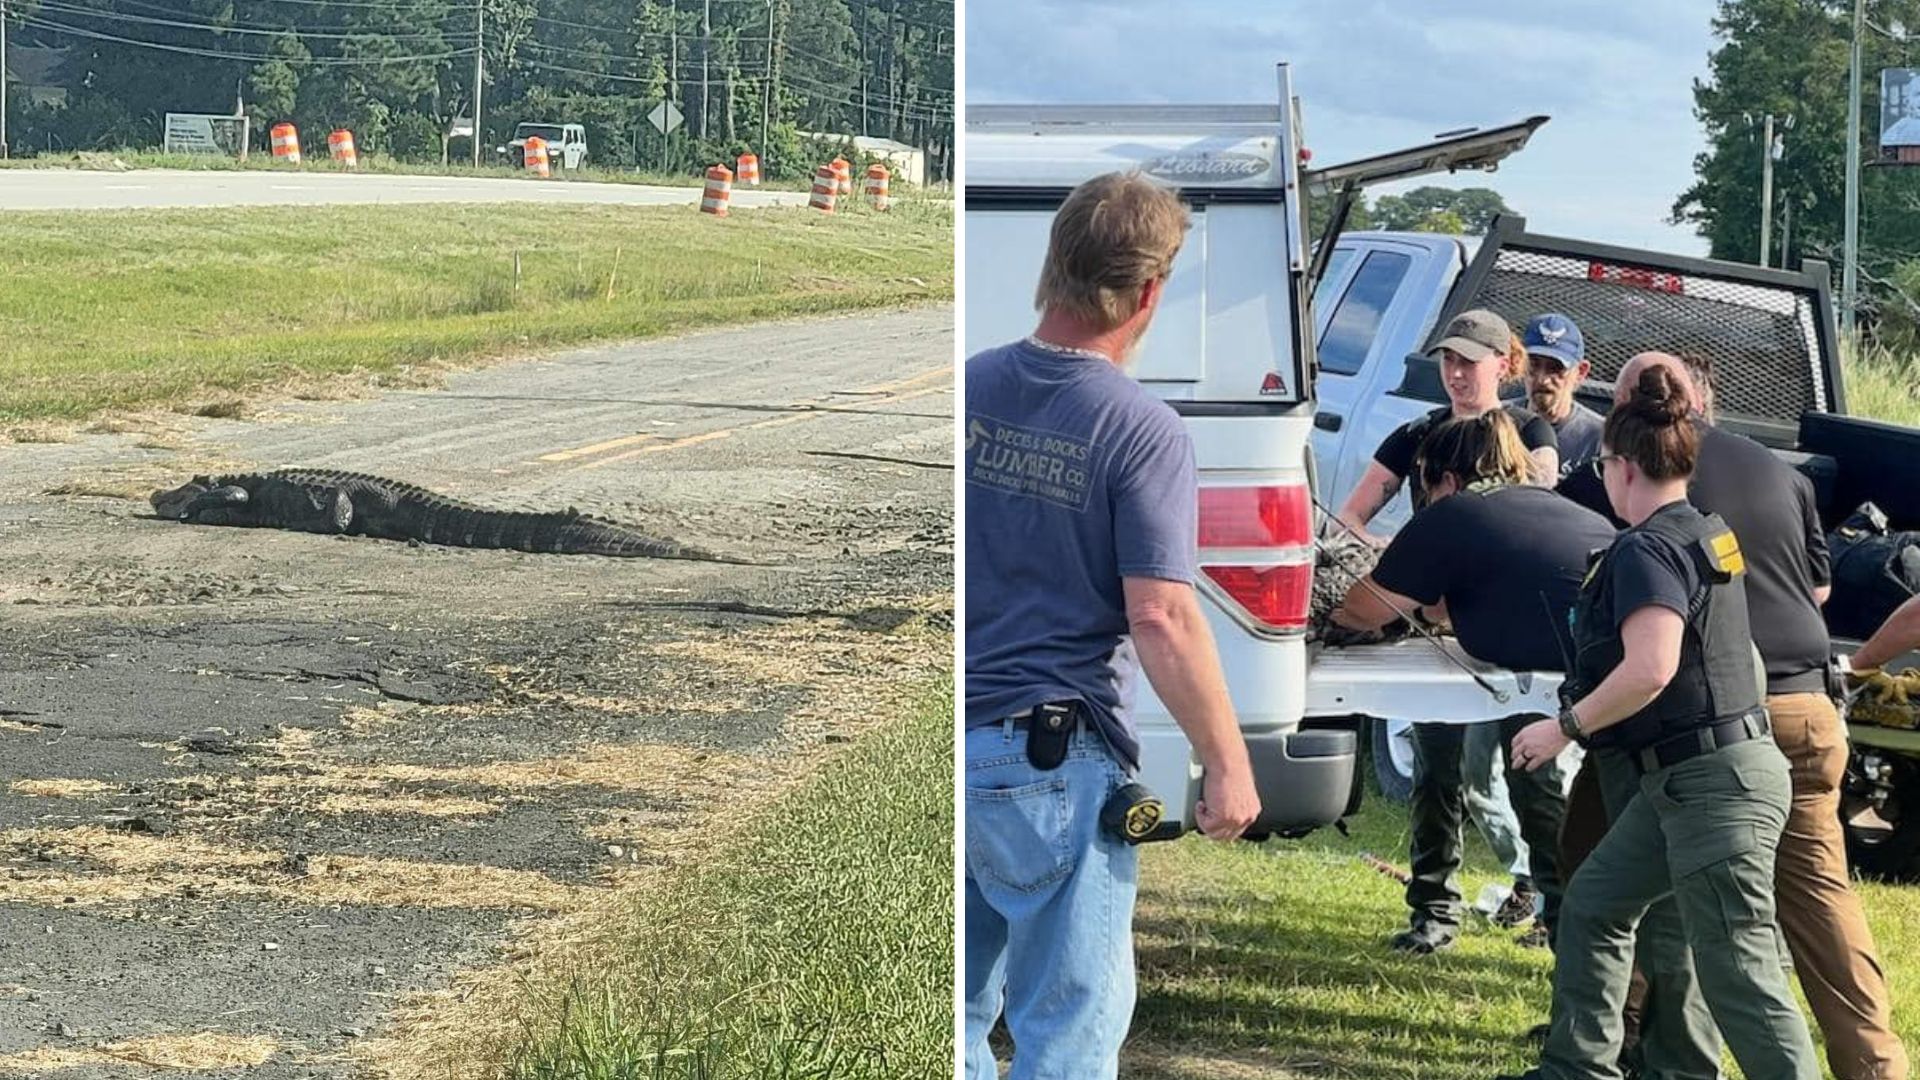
(1290, 357)
(566, 144)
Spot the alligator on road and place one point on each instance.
(358, 504)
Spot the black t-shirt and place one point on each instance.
(1770, 507)
(1398, 449)
(1508, 562)
(1643, 569)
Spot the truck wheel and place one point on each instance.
(1880, 814)
(1395, 776)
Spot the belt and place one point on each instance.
(1075, 714)
(1752, 724)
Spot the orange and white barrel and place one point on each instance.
(286, 143)
(719, 189)
(826, 187)
(749, 170)
(843, 175)
(877, 188)
(340, 145)
(536, 154)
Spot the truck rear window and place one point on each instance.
(1350, 333)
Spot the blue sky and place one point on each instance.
(1616, 76)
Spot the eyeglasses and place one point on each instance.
(1599, 464)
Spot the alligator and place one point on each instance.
(334, 502)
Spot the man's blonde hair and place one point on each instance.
(1114, 234)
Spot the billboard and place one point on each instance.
(1900, 115)
(198, 133)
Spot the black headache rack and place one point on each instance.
(1769, 335)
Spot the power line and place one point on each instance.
(252, 58)
(327, 34)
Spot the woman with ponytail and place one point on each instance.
(1496, 558)
(1667, 692)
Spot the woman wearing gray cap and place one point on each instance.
(1475, 357)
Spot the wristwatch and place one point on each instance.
(1570, 725)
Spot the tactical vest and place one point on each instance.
(1718, 676)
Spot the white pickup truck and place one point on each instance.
(1291, 359)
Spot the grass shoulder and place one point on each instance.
(817, 944)
(170, 308)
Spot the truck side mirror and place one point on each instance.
(1421, 380)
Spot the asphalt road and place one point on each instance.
(79, 189)
(258, 787)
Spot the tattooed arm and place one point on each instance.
(1375, 490)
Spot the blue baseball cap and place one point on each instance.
(1556, 337)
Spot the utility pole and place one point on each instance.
(1850, 258)
(1786, 232)
(706, 50)
(863, 71)
(766, 88)
(1766, 190)
(5, 151)
(673, 76)
(479, 71)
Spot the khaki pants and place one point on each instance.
(1826, 931)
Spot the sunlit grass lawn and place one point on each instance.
(123, 309)
(1272, 961)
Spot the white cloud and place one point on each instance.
(1372, 75)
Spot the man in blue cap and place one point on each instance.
(1556, 366)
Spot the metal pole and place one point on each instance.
(1766, 191)
(1850, 258)
(479, 56)
(5, 151)
(706, 49)
(766, 89)
(1786, 231)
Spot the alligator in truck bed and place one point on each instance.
(333, 502)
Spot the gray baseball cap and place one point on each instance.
(1476, 335)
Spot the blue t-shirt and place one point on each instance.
(1075, 478)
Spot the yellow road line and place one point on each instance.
(656, 447)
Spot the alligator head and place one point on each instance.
(177, 504)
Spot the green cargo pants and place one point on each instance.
(1702, 833)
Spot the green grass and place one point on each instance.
(1881, 385)
(1272, 961)
(315, 159)
(820, 945)
(122, 309)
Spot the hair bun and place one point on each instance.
(1659, 397)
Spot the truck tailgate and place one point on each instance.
(1412, 680)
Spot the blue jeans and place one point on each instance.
(1049, 917)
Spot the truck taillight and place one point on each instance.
(1254, 516)
(1638, 277)
(1256, 550)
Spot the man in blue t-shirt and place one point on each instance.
(1081, 504)
(1556, 366)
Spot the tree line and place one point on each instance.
(745, 74)
(1790, 58)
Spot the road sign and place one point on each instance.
(665, 117)
(1900, 115)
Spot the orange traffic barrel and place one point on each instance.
(749, 174)
(719, 188)
(843, 175)
(286, 143)
(537, 156)
(826, 186)
(340, 144)
(877, 187)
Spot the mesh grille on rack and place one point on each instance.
(1764, 333)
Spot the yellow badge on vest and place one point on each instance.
(1723, 554)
